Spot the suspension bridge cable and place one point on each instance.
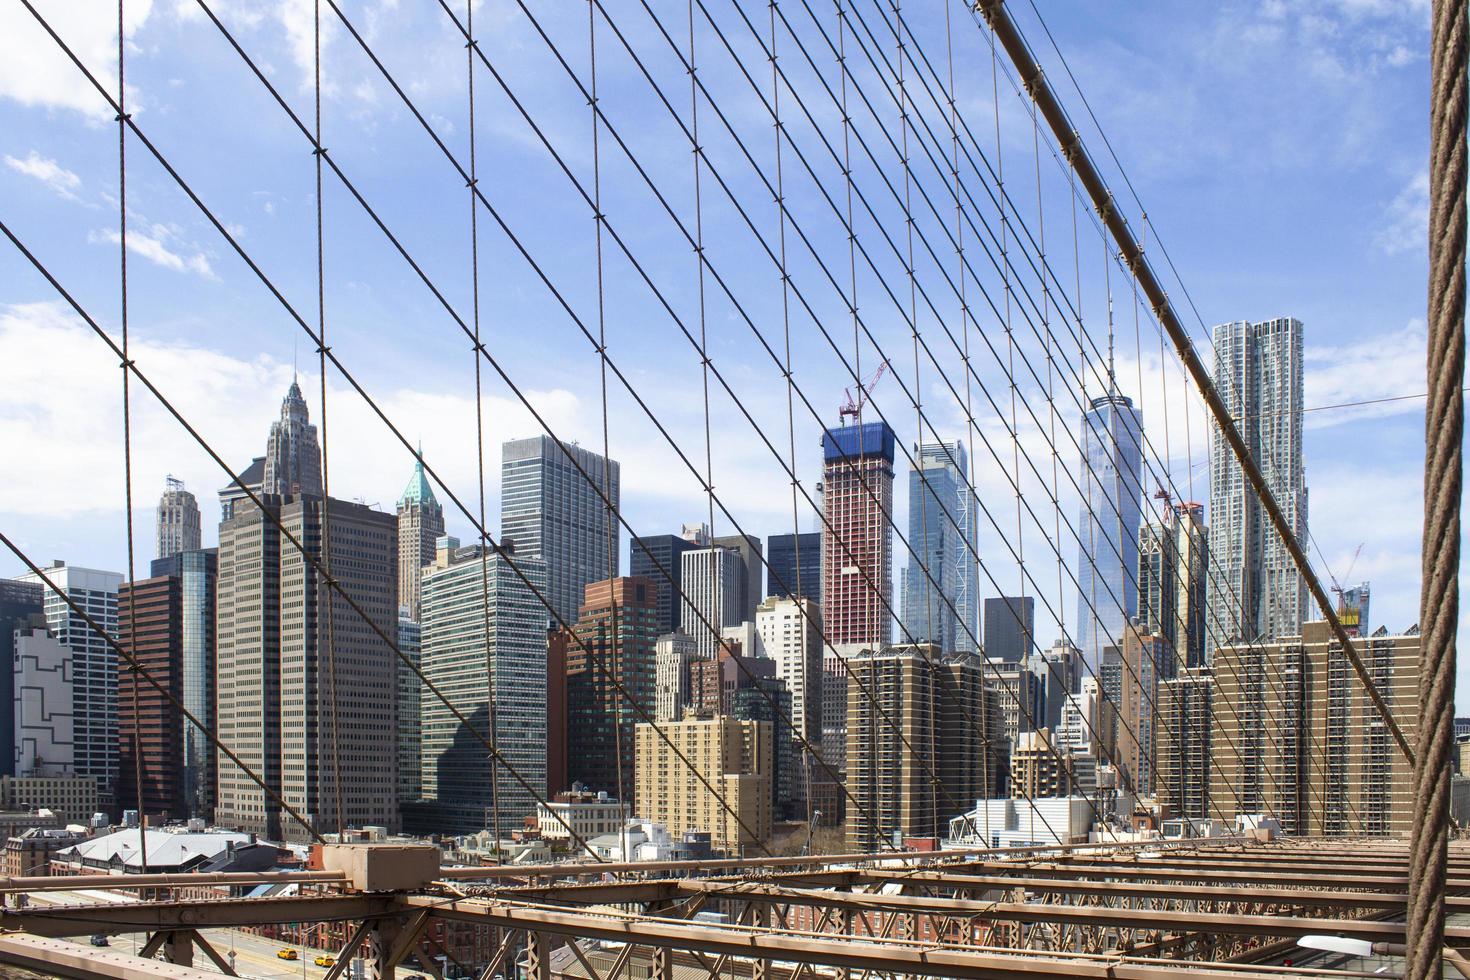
(122, 252)
(326, 520)
(492, 673)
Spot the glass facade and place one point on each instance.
(468, 650)
(553, 512)
(794, 565)
(940, 607)
(1112, 494)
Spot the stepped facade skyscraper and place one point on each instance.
(293, 460)
(1257, 592)
(420, 523)
(551, 507)
(178, 520)
(1112, 493)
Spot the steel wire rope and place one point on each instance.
(612, 526)
(492, 671)
(127, 419)
(925, 490)
(326, 519)
(1444, 425)
(800, 592)
(971, 584)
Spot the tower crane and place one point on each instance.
(853, 407)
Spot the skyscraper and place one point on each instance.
(1112, 493)
(857, 551)
(554, 512)
(232, 496)
(752, 571)
(928, 754)
(410, 691)
(420, 523)
(1010, 627)
(178, 520)
(19, 602)
(94, 665)
(794, 565)
(1173, 563)
(293, 460)
(1257, 593)
(198, 575)
(284, 638)
(929, 600)
(711, 579)
(615, 640)
(150, 728)
(469, 650)
(791, 632)
(658, 558)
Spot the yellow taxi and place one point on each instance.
(285, 954)
(326, 961)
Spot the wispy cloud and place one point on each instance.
(153, 248)
(33, 69)
(1406, 218)
(47, 171)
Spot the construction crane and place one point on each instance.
(853, 407)
(1337, 586)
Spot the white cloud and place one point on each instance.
(1406, 219)
(156, 251)
(298, 19)
(48, 172)
(34, 71)
(1388, 365)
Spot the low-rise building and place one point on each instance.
(580, 813)
(170, 851)
(1023, 823)
(30, 852)
(72, 798)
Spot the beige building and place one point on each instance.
(1304, 743)
(277, 651)
(72, 798)
(1039, 767)
(914, 715)
(1182, 783)
(733, 756)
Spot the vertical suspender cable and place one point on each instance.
(122, 250)
(800, 589)
(612, 521)
(1444, 421)
(324, 593)
(492, 674)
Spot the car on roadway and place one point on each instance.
(100, 940)
(326, 961)
(286, 954)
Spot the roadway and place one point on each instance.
(254, 956)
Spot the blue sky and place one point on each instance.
(1279, 149)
